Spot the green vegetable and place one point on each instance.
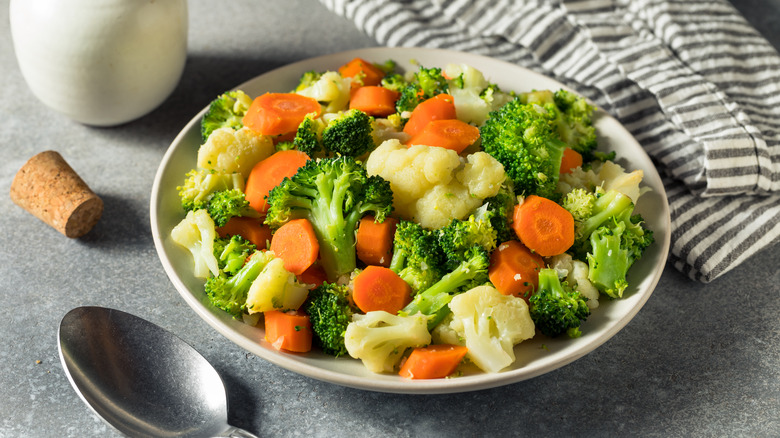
(227, 110)
(521, 137)
(231, 253)
(417, 256)
(349, 133)
(330, 312)
(229, 293)
(573, 122)
(333, 194)
(426, 83)
(556, 308)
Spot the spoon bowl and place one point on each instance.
(140, 378)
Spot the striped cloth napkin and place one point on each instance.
(695, 84)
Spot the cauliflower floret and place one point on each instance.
(434, 185)
(231, 151)
(275, 288)
(490, 324)
(331, 89)
(196, 232)
(614, 177)
(379, 338)
(473, 96)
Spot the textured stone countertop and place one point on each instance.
(698, 360)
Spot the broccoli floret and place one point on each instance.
(499, 210)
(575, 126)
(349, 133)
(308, 138)
(330, 312)
(231, 253)
(521, 138)
(380, 339)
(395, 82)
(226, 204)
(200, 184)
(556, 308)
(471, 272)
(227, 110)
(459, 237)
(608, 235)
(426, 83)
(417, 255)
(333, 194)
(307, 79)
(229, 292)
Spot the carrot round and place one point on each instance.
(433, 362)
(374, 241)
(251, 229)
(279, 113)
(379, 288)
(447, 133)
(362, 70)
(296, 244)
(268, 173)
(514, 269)
(543, 226)
(289, 331)
(374, 100)
(571, 160)
(439, 107)
(313, 275)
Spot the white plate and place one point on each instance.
(534, 357)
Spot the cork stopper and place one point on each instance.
(48, 188)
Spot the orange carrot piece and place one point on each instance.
(289, 331)
(447, 133)
(514, 269)
(374, 241)
(251, 229)
(571, 160)
(296, 243)
(379, 288)
(363, 71)
(374, 100)
(440, 107)
(279, 113)
(314, 275)
(268, 173)
(433, 362)
(543, 226)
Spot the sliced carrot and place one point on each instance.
(289, 331)
(543, 226)
(439, 107)
(514, 269)
(448, 133)
(374, 241)
(314, 275)
(571, 160)
(379, 288)
(433, 362)
(363, 71)
(268, 173)
(279, 113)
(296, 244)
(374, 100)
(249, 228)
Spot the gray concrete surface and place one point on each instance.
(698, 360)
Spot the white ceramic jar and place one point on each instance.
(100, 62)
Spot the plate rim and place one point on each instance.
(397, 384)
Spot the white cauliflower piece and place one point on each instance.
(231, 151)
(331, 89)
(614, 177)
(472, 94)
(490, 324)
(275, 288)
(379, 339)
(434, 185)
(196, 232)
(576, 274)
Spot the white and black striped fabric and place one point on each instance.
(694, 83)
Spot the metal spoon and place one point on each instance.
(140, 378)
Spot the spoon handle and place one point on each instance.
(236, 432)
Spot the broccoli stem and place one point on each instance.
(611, 204)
